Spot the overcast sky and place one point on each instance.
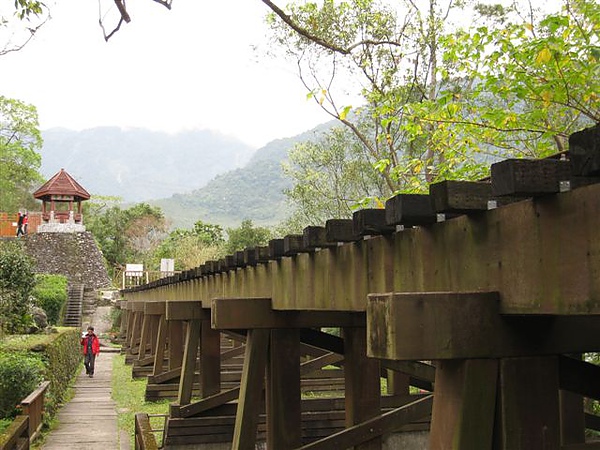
(191, 67)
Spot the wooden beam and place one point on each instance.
(529, 177)
(464, 405)
(185, 310)
(251, 392)
(592, 421)
(584, 152)
(409, 209)
(205, 404)
(340, 230)
(186, 381)
(161, 346)
(210, 360)
(137, 306)
(245, 313)
(362, 384)
(431, 326)
(529, 409)
(386, 423)
(579, 376)
(283, 390)
(293, 244)
(316, 237)
(461, 197)
(368, 222)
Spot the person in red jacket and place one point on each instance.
(91, 348)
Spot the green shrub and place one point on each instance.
(63, 357)
(16, 283)
(20, 374)
(50, 294)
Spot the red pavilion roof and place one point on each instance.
(62, 184)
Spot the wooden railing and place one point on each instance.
(26, 426)
(144, 435)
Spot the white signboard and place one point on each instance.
(167, 265)
(134, 270)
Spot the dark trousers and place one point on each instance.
(89, 360)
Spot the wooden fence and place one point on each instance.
(27, 426)
(8, 223)
(484, 293)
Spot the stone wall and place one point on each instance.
(74, 255)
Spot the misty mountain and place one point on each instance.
(254, 191)
(138, 164)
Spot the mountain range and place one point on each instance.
(137, 164)
(191, 176)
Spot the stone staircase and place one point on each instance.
(74, 306)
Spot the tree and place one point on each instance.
(20, 140)
(191, 248)
(436, 105)
(246, 236)
(16, 30)
(331, 177)
(129, 235)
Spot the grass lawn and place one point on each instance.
(129, 396)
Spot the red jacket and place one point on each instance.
(95, 343)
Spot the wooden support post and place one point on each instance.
(529, 408)
(192, 339)
(464, 405)
(363, 390)
(161, 346)
(210, 360)
(175, 344)
(283, 390)
(572, 418)
(251, 390)
(145, 335)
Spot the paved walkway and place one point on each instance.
(89, 420)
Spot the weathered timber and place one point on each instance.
(579, 376)
(528, 415)
(464, 405)
(592, 422)
(430, 326)
(572, 418)
(293, 244)
(246, 419)
(250, 256)
(192, 340)
(262, 254)
(340, 230)
(362, 384)
(584, 152)
(245, 313)
(154, 307)
(368, 222)
(529, 177)
(283, 389)
(588, 446)
(452, 197)
(366, 431)
(239, 259)
(540, 254)
(409, 209)
(276, 248)
(185, 310)
(210, 359)
(165, 376)
(316, 237)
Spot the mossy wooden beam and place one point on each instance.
(442, 325)
(248, 313)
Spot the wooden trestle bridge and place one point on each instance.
(483, 295)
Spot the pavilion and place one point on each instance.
(59, 195)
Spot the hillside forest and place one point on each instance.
(441, 98)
